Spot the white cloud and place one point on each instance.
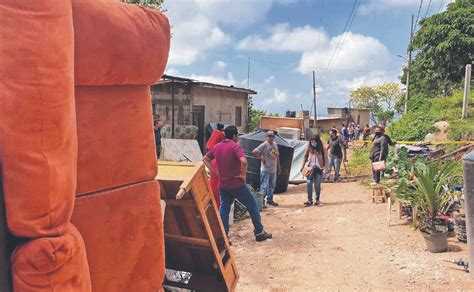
(172, 72)
(279, 96)
(283, 38)
(371, 79)
(228, 80)
(197, 25)
(360, 60)
(380, 5)
(357, 52)
(269, 79)
(219, 66)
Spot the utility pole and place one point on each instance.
(249, 98)
(467, 86)
(248, 74)
(409, 50)
(172, 108)
(314, 100)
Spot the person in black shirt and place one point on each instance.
(379, 151)
(157, 127)
(337, 153)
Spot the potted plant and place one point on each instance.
(429, 193)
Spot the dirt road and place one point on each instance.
(344, 244)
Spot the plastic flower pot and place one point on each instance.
(436, 242)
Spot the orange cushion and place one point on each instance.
(128, 46)
(123, 233)
(52, 264)
(37, 115)
(116, 138)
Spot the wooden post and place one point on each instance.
(468, 175)
(314, 100)
(407, 94)
(467, 85)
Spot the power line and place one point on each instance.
(418, 15)
(306, 67)
(320, 21)
(349, 21)
(441, 6)
(428, 9)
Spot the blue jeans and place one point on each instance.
(244, 196)
(315, 180)
(267, 184)
(336, 163)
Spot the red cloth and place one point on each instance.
(50, 264)
(37, 116)
(123, 234)
(227, 155)
(216, 137)
(214, 181)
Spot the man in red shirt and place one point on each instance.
(216, 137)
(232, 166)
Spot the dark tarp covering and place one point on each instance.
(251, 141)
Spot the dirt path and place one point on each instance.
(344, 244)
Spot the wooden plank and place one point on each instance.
(452, 154)
(180, 203)
(191, 241)
(5, 279)
(175, 252)
(195, 237)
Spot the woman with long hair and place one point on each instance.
(314, 163)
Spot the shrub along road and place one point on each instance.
(344, 244)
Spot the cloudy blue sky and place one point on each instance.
(286, 40)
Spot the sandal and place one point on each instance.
(308, 203)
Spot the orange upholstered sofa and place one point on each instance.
(77, 152)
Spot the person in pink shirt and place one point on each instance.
(232, 166)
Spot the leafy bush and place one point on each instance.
(429, 191)
(461, 129)
(423, 113)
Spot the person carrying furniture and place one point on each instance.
(232, 166)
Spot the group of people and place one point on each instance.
(228, 166)
(353, 131)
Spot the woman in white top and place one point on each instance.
(316, 158)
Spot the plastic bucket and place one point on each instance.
(259, 199)
(436, 242)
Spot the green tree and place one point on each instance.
(254, 119)
(382, 100)
(443, 46)
(154, 4)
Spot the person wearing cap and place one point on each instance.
(268, 154)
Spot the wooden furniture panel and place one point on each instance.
(195, 239)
